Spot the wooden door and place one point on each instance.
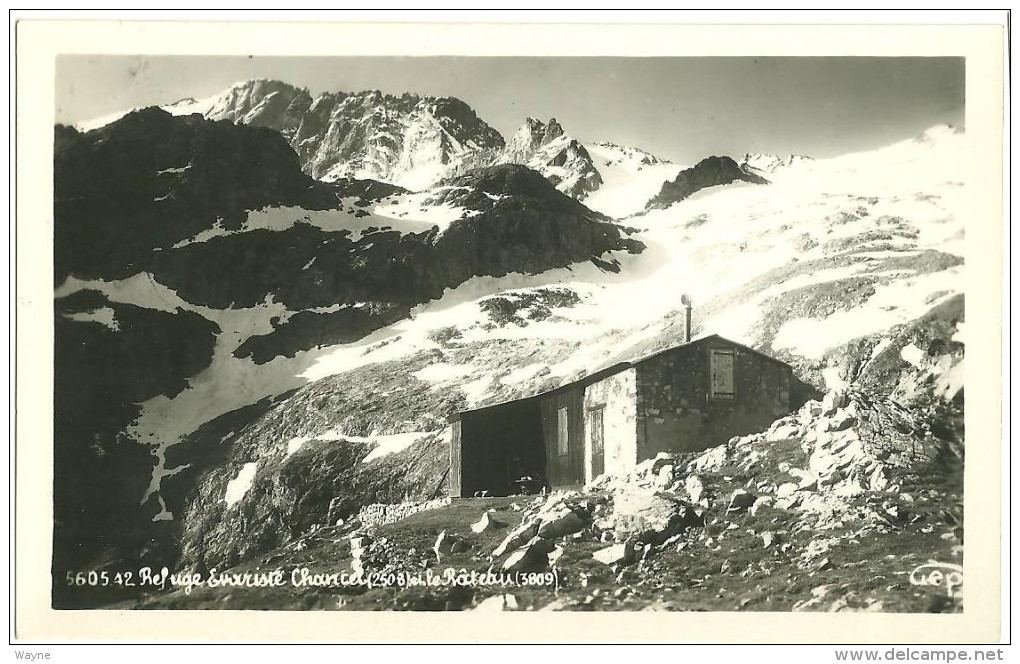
(597, 436)
(721, 369)
(456, 478)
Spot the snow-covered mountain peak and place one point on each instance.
(532, 136)
(631, 176)
(261, 103)
(548, 149)
(632, 157)
(768, 163)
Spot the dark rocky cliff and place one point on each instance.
(709, 172)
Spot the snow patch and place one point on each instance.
(476, 390)
(442, 372)
(176, 169)
(103, 316)
(392, 443)
(295, 444)
(237, 487)
(834, 378)
(380, 218)
(912, 355)
(892, 304)
(884, 343)
(164, 514)
(412, 209)
(522, 374)
(630, 178)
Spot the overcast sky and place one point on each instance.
(678, 108)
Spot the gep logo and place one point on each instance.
(938, 574)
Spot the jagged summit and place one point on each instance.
(548, 149)
(409, 140)
(553, 130)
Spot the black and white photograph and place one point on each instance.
(518, 333)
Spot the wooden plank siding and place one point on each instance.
(564, 470)
(456, 472)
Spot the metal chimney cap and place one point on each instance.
(685, 300)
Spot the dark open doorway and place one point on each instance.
(502, 449)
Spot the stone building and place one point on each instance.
(682, 399)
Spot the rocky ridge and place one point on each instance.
(769, 163)
(409, 140)
(709, 172)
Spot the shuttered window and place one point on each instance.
(597, 427)
(562, 432)
(721, 362)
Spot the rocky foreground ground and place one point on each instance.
(834, 508)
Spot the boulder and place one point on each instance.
(838, 441)
(534, 555)
(822, 463)
(808, 483)
(841, 420)
(710, 460)
(651, 516)
(694, 488)
(852, 452)
(878, 481)
(447, 544)
(786, 490)
(763, 501)
(833, 401)
(664, 476)
(518, 536)
(740, 501)
(560, 522)
(849, 487)
(484, 524)
(830, 478)
(662, 459)
(618, 554)
(782, 432)
(806, 480)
